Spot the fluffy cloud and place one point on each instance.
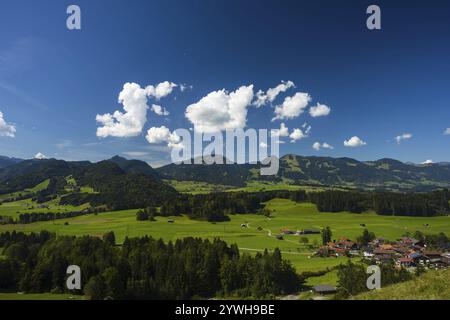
(160, 111)
(320, 110)
(447, 131)
(404, 136)
(40, 156)
(162, 134)
(354, 142)
(297, 134)
(6, 129)
(271, 94)
(184, 87)
(317, 146)
(428, 162)
(161, 90)
(129, 123)
(134, 100)
(221, 110)
(292, 107)
(282, 132)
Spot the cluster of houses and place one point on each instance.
(405, 252)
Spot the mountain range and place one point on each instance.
(383, 174)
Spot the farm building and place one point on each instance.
(324, 289)
(308, 231)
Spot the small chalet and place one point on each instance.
(405, 262)
(324, 289)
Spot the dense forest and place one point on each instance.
(142, 268)
(384, 203)
(218, 206)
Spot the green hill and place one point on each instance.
(434, 285)
(117, 183)
(385, 174)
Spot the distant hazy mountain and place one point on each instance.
(6, 161)
(386, 174)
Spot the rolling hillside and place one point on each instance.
(434, 285)
(118, 183)
(386, 174)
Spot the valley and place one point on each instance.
(84, 199)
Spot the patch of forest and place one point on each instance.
(142, 268)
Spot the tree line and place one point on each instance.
(428, 204)
(142, 268)
(218, 206)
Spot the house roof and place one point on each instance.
(383, 251)
(324, 288)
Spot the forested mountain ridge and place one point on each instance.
(7, 161)
(135, 166)
(134, 186)
(385, 174)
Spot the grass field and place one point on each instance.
(434, 285)
(14, 209)
(194, 187)
(286, 214)
(38, 296)
(41, 186)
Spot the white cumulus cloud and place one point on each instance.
(297, 134)
(292, 107)
(160, 111)
(158, 135)
(428, 162)
(161, 90)
(129, 123)
(221, 110)
(263, 98)
(354, 142)
(6, 129)
(184, 87)
(320, 110)
(40, 156)
(134, 100)
(404, 136)
(282, 132)
(317, 146)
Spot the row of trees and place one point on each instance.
(353, 278)
(217, 206)
(142, 268)
(384, 203)
(30, 217)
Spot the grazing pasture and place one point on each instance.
(258, 234)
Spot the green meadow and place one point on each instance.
(257, 236)
(38, 296)
(14, 209)
(433, 285)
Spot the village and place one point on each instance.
(405, 252)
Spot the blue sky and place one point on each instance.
(378, 84)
